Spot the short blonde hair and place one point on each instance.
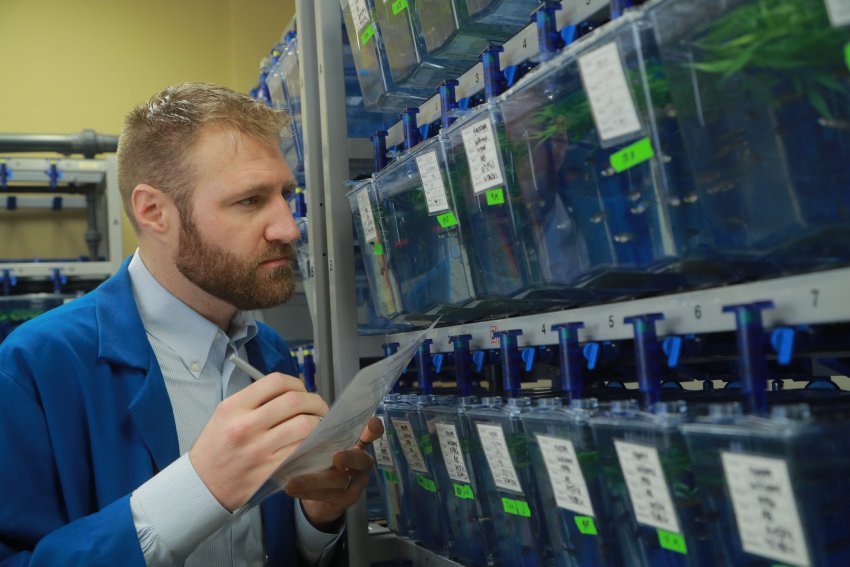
(158, 136)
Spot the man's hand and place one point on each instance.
(326, 495)
(251, 433)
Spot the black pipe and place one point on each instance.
(88, 142)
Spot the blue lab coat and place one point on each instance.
(84, 420)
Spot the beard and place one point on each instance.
(239, 282)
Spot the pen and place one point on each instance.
(245, 367)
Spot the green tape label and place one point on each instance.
(586, 525)
(447, 219)
(378, 249)
(367, 34)
(672, 541)
(632, 155)
(516, 507)
(496, 196)
(426, 483)
(390, 476)
(398, 6)
(425, 444)
(463, 491)
(847, 54)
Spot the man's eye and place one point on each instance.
(250, 201)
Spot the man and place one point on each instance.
(127, 436)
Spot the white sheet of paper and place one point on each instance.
(341, 427)
(565, 474)
(370, 231)
(432, 182)
(608, 91)
(839, 12)
(647, 486)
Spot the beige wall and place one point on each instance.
(74, 64)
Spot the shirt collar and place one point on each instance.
(171, 321)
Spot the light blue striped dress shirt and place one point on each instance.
(178, 520)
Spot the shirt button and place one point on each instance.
(196, 366)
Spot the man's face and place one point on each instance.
(236, 241)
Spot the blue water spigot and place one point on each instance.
(492, 71)
(646, 356)
(672, 347)
(411, 131)
(59, 279)
(423, 366)
(752, 364)
(53, 174)
(547, 29)
(290, 35)
(510, 357)
(379, 147)
(782, 341)
(528, 357)
(619, 7)
(309, 371)
(437, 360)
(9, 281)
(590, 351)
(463, 363)
(478, 359)
(568, 346)
(5, 175)
(447, 101)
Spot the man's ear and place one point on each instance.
(153, 209)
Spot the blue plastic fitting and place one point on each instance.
(528, 356)
(752, 364)
(5, 175)
(782, 341)
(646, 356)
(411, 132)
(300, 211)
(672, 347)
(510, 357)
(423, 366)
(547, 29)
(618, 7)
(478, 358)
(463, 363)
(53, 174)
(309, 370)
(492, 72)
(571, 379)
(591, 354)
(59, 279)
(379, 147)
(447, 101)
(438, 360)
(9, 281)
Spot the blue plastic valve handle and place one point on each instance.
(646, 356)
(411, 131)
(463, 363)
(618, 7)
(571, 379)
(782, 341)
(59, 279)
(424, 131)
(752, 365)
(53, 175)
(528, 357)
(447, 101)
(438, 360)
(379, 147)
(672, 347)
(510, 357)
(309, 370)
(569, 34)
(423, 366)
(591, 354)
(478, 358)
(492, 72)
(547, 30)
(5, 175)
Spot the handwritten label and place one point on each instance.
(498, 457)
(447, 220)
(432, 182)
(673, 542)
(452, 455)
(647, 486)
(381, 446)
(611, 100)
(586, 525)
(495, 196)
(566, 477)
(632, 155)
(367, 219)
(482, 154)
(409, 446)
(764, 505)
(361, 16)
(463, 491)
(516, 507)
(839, 12)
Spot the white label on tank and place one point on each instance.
(432, 182)
(452, 454)
(839, 12)
(360, 14)
(647, 486)
(498, 457)
(409, 445)
(383, 453)
(565, 474)
(483, 156)
(370, 232)
(765, 510)
(610, 98)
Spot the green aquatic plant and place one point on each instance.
(770, 41)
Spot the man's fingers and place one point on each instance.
(285, 435)
(373, 430)
(268, 388)
(288, 405)
(353, 459)
(328, 485)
